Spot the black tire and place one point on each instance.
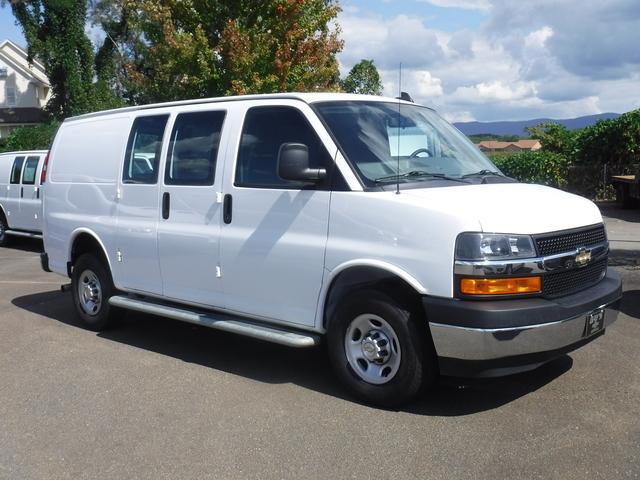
(417, 365)
(4, 238)
(86, 270)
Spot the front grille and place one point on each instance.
(571, 281)
(559, 242)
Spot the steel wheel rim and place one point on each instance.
(89, 293)
(372, 349)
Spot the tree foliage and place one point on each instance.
(30, 138)
(178, 49)
(554, 137)
(363, 78)
(55, 34)
(583, 160)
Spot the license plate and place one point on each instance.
(594, 323)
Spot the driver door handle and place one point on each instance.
(166, 205)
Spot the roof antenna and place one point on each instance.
(398, 152)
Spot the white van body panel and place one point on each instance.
(385, 225)
(513, 207)
(22, 202)
(375, 227)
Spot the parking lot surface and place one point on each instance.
(156, 398)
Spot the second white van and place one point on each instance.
(20, 195)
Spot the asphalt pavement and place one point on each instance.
(156, 398)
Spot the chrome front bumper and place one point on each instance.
(499, 338)
(466, 343)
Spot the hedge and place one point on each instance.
(30, 138)
(546, 168)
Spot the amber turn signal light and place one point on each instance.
(500, 286)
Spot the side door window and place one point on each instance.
(193, 148)
(16, 170)
(265, 129)
(30, 168)
(143, 150)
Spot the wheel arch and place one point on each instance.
(3, 215)
(84, 240)
(358, 274)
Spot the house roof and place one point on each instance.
(17, 57)
(21, 115)
(494, 144)
(528, 143)
(497, 145)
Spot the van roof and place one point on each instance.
(25, 152)
(305, 97)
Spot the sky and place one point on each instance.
(492, 60)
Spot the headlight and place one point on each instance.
(493, 246)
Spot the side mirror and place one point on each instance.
(293, 164)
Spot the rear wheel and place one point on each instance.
(380, 349)
(92, 287)
(4, 238)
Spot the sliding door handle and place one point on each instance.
(21, 192)
(227, 209)
(166, 205)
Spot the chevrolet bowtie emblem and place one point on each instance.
(583, 256)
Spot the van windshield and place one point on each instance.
(376, 137)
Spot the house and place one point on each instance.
(519, 146)
(24, 89)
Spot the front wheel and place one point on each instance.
(91, 288)
(380, 349)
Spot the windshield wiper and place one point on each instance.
(483, 173)
(418, 174)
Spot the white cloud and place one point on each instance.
(494, 91)
(466, 4)
(540, 58)
(538, 38)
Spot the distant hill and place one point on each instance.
(518, 127)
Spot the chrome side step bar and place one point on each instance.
(18, 233)
(219, 321)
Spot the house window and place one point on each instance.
(3, 72)
(10, 95)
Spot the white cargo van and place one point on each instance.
(367, 221)
(20, 201)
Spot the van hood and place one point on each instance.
(511, 207)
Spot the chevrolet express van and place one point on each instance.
(365, 221)
(20, 201)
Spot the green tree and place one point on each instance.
(178, 49)
(55, 34)
(363, 78)
(554, 138)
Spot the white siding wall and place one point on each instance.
(26, 79)
(26, 91)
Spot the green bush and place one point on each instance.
(30, 138)
(545, 168)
